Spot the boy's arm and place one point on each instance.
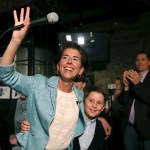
(106, 126)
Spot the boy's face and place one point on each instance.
(81, 85)
(94, 105)
(118, 84)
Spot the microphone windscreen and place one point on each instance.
(52, 17)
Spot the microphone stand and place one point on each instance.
(111, 108)
(111, 88)
(111, 91)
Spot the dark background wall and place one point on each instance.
(125, 39)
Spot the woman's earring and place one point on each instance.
(79, 76)
(57, 72)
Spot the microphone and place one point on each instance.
(50, 18)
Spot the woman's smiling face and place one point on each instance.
(69, 65)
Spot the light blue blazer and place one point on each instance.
(41, 94)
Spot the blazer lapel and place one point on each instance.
(99, 137)
(76, 144)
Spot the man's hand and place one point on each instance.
(125, 81)
(25, 126)
(133, 77)
(106, 126)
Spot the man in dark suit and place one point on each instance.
(136, 97)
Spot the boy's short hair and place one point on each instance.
(93, 88)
